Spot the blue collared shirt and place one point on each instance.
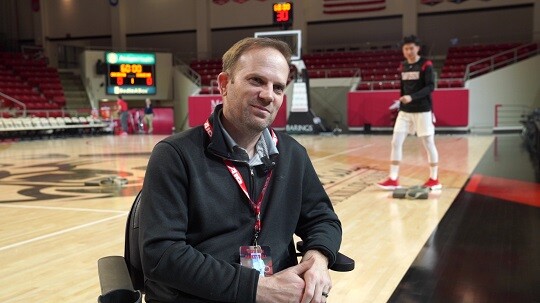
(264, 148)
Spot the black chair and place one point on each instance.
(122, 279)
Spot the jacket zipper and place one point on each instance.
(251, 183)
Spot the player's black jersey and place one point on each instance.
(417, 81)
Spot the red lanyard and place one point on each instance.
(255, 205)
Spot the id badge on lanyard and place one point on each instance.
(257, 257)
(253, 256)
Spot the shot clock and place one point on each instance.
(130, 73)
(283, 13)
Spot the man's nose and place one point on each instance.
(267, 93)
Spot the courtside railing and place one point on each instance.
(501, 59)
(509, 117)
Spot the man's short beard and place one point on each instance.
(254, 126)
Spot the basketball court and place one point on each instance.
(63, 206)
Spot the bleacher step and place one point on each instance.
(74, 90)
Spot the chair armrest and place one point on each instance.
(115, 282)
(342, 264)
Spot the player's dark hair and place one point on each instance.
(410, 39)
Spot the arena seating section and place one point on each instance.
(482, 59)
(208, 70)
(378, 69)
(375, 77)
(30, 81)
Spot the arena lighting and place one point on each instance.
(130, 73)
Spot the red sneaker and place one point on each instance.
(389, 184)
(433, 184)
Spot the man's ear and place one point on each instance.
(223, 80)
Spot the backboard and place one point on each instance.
(291, 37)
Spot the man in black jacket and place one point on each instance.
(415, 114)
(221, 202)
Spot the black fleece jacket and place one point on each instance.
(194, 217)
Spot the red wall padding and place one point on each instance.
(451, 107)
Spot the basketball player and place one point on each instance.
(415, 114)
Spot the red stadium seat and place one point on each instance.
(387, 85)
(363, 86)
(456, 83)
(443, 83)
(377, 85)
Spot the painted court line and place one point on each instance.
(62, 208)
(60, 232)
(341, 153)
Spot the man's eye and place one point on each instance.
(278, 90)
(256, 80)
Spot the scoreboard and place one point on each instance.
(282, 13)
(130, 73)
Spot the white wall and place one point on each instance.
(232, 14)
(92, 17)
(315, 11)
(172, 24)
(476, 27)
(81, 18)
(183, 88)
(147, 16)
(354, 33)
(25, 22)
(472, 21)
(517, 84)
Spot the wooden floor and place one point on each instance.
(55, 223)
